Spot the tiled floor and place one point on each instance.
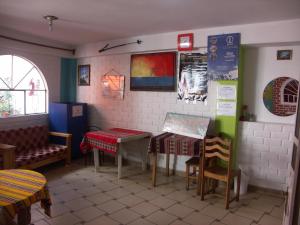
(81, 196)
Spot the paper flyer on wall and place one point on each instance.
(226, 92)
(225, 108)
(223, 56)
(192, 82)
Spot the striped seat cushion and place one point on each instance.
(39, 154)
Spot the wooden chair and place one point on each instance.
(221, 149)
(193, 163)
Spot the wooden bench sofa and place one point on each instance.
(30, 148)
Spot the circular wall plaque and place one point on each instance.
(280, 96)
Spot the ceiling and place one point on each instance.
(98, 20)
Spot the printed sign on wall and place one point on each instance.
(223, 56)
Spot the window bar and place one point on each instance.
(25, 111)
(45, 101)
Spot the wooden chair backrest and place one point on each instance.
(217, 147)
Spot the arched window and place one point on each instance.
(289, 92)
(23, 89)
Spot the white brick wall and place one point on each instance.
(264, 153)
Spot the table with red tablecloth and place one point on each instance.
(113, 141)
(169, 143)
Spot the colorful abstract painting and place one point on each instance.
(153, 72)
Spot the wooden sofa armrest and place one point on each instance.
(60, 134)
(8, 155)
(68, 143)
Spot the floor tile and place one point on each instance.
(77, 204)
(179, 210)
(88, 214)
(141, 222)
(64, 219)
(214, 212)
(277, 212)
(118, 192)
(261, 205)
(102, 220)
(179, 196)
(268, 220)
(145, 208)
(68, 196)
(195, 203)
(124, 216)
(178, 222)
(250, 213)
(198, 219)
(111, 206)
(161, 218)
(130, 200)
(99, 198)
(231, 219)
(40, 222)
(163, 202)
(148, 195)
(57, 210)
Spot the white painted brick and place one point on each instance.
(272, 142)
(280, 135)
(277, 164)
(288, 128)
(261, 133)
(273, 127)
(255, 140)
(247, 133)
(260, 147)
(285, 158)
(268, 156)
(279, 149)
(287, 144)
(255, 126)
(244, 147)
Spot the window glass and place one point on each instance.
(22, 87)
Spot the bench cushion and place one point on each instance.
(25, 139)
(36, 155)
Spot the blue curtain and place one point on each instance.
(68, 73)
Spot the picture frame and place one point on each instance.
(185, 42)
(84, 75)
(153, 71)
(284, 54)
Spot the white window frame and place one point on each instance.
(12, 89)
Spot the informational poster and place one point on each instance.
(226, 92)
(192, 83)
(113, 86)
(225, 108)
(77, 110)
(223, 56)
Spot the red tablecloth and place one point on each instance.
(175, 144)
(108, 140)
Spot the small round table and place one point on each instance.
(19, 189)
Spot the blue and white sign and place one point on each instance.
(223, 56)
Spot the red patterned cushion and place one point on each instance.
(25, 139)
(39, 154)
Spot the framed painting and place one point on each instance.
(153, 72)
(84, 75)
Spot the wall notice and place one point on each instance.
(77, 110)
(226, 92)
(225, 108)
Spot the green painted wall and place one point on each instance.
(68, 73)
(229, 124)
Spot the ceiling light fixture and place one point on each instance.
(50, 20)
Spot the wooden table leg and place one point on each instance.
(168, 163)
(154, 167)
(96, 159)
(24, 216)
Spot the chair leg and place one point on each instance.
(238, 186)
(227, 194)
(202, 187)
(187, 174)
